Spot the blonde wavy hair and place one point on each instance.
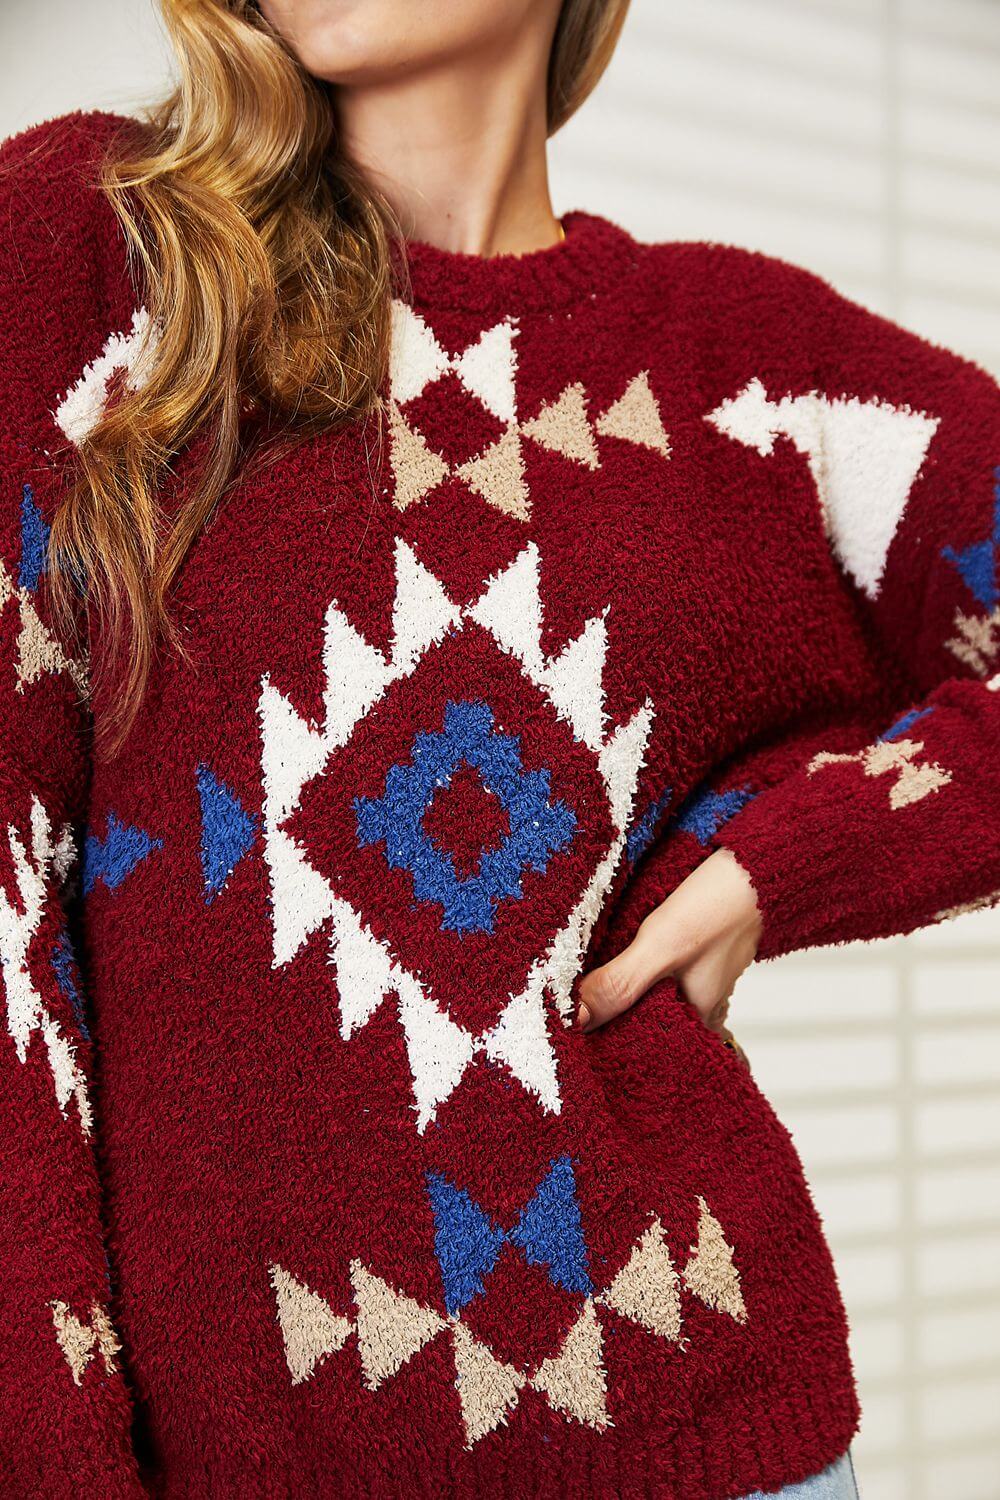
(268, 270)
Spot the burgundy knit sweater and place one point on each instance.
(309, 1184)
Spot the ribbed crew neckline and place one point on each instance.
(554, 276)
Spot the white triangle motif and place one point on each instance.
(520, 1040)
(510, 608)
(488, 367)
(439, 1051)
(422, 612)
(365, 973)
(83, 404)
(416, 357)
(864, 456)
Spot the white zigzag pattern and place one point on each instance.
(27, 1012)
(294, 751)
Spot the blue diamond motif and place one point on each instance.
(539, 827)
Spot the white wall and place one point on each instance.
(861, 138)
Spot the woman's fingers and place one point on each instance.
(704, 934)
(616, 986)
(663, 942)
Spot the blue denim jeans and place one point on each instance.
(835, 1483)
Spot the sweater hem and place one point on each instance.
(762, 1443)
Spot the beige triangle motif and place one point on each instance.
(646, 1289)
(564, 427)
(80, 1341)
(977, 644)
(913, 780)
(38, 651)
(497, 474)
(635, 417)
(309, 1326)
(391, 1327)
(574, 1379)
(711, 1273)
(415, 465)
(487, 1388)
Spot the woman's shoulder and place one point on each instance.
(53, 210)
(57, 164)
(64, 140)
(731, 273)
(776, 305)
(64, 270)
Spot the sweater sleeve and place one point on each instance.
(878, 832)
(64, 1411)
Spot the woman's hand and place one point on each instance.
(704, 935)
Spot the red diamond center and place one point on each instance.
(465, 820)
(523, 1317)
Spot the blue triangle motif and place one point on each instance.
(114, 857)
(550, 1231)
(977, 563)
(228, 831)
(466, 1242)
(34, 542)
(977, 567)
(704, 813)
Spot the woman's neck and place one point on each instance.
(459, 153)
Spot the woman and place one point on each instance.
(494, 628)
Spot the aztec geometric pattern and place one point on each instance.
(537, 827)
(38, 651)
(549, 1231)
(486, 371)
(38, 872)
(498, 633)
(864, 457)
(391, 1327)
(81, 1342)
(890, 755)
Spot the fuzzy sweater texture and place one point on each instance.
(309, 1186)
